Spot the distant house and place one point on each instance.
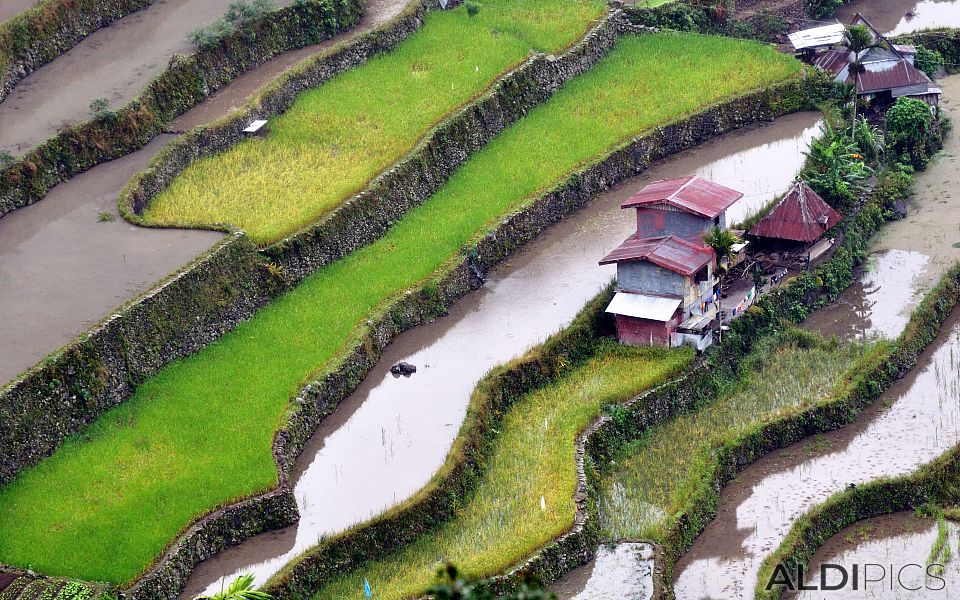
(797, 223)
(666, 283)
(888, 71)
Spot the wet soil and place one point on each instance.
(912, 423)
(909, 255)
(221, 102)
(900, 544)
(11, 8)
(392, 434)
(63, 269)
(619, 572)
(113, 63)
(896, 17)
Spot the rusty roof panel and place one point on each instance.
(670, 252)
(692, 194)
(802, 216)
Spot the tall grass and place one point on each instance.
(337, 137)
(525, 498)
(664, 467)
(198, 434)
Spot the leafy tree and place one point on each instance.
(721, 240)
(819, 9)
(909, 122)
(240, 589)
(453, 586)
(835, 168)
(929, 61)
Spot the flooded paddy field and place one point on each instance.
(897, 17)
(622, 570)
(899, 543)
(389, 437)
(11, 8)
(68, 260)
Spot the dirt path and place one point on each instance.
(392, 434)
(11, 8)
(61, 269)
(114, 63)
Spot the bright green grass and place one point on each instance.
(533, 458)
(198, 434)
(664, 467)
(337, 137)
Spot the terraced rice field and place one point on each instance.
(199, 433)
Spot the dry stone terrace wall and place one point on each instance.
(72, 387)
(33, 38)
(187, 81)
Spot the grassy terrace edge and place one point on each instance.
(625, 161)
(187, 81)
(935, 482)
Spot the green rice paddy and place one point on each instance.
(533, 461)
(198, 434)
(662, 470)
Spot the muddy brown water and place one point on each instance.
(896, 17)
(62, 269)
(912, 423)
(113, 63)
(392, 434)
(619, 571)
(896, 544)
(11, 8)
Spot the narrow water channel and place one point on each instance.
(113, 63)
(392, 434)
(68, 260)
(757, 510)
(891, 558)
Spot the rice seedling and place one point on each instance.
(198, 434)
(338, 136)
(661, 470)
(525, 498)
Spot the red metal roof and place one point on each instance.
(802, 216)
(670, 252)
(691, 194)
(890, 75)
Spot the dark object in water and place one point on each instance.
(899, 209)
(403, 368)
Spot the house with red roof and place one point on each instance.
(666, 282)
(797, 223)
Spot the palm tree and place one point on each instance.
(858, 39)
(721, 240)
(240, 589)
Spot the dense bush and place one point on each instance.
(909, 123)
(819, 9)
(928, 61)
(239, 13)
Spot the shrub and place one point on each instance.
(241, 11)
(928, 61)
(100, 108)
(472, 8)
(212, 34)
(908, 130)
(818, 9)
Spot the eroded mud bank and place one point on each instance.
(386, 440)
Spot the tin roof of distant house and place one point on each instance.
(802, 216)
(670, 252)
(690, 194)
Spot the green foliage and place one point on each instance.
(820, 9)
(212, 34)
(858, 38)
(721, 240)
(835, 167)
(929, 61)
(909, 123)
(100, 108)
(240, 589)
(6, 159)
(472, 8)
(241, 12)
(452, 586)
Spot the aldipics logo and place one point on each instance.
(909, 577)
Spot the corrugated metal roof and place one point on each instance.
(802, 216)
(889, 75)
(826, 35)
(691, 194)
(654, 308)
(670, 252)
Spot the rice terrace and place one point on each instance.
(476, 299)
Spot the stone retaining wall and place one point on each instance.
(36, 36)
(187, 81)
